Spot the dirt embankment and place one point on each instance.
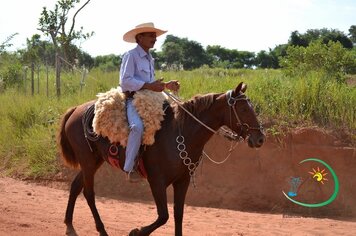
(253, 179)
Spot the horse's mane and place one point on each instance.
(195, 105)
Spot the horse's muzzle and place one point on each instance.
(256, 141)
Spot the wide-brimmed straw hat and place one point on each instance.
(142, 28)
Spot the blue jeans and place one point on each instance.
(135, 135)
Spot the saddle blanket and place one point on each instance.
(110, 118)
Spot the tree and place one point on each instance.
(264, 60)
(108, 62)
(194, 55)
(296, 39)
(7, 43)
(246, 59)
(181, 51)
(352, 33)
(54, 23)
(325, 35)
(173, 55)
(230, 58)
(34, 51)
(219, 53)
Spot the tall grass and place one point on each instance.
(27, 137)
(290, 100)
(29, 124)
(325, 103)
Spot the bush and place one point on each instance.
(10, 70)
(352, 68)
(332, 60)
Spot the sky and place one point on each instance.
(244, 25)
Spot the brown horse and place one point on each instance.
(171, 160)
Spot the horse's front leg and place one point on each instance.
(90, 197)
(160, 196)
(180, 190)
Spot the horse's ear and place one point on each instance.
(240, 88)
(244, 87)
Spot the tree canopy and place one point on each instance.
(325, 35)
(327, 49)
(54, 23)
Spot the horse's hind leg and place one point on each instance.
(75, 189)
(90, 197)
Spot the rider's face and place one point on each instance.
(147, 40)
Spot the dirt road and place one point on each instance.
(33, 210)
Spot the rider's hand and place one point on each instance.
(157, 86)
(173, 85)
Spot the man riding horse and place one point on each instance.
(136, 73)
(177, 150)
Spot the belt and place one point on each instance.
(129, 94)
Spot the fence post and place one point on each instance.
(58, 75)
(32, 78)
(38, 79)
(47, 79)
(25, 78)
(84, 73)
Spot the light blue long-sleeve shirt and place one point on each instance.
(137, 68)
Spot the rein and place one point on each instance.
(178, 102)
(232, 136)
(231, 101)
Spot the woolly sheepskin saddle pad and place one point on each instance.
(110, 118)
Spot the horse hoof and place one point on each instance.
(71, 231)
(135, 232)
(104, 233)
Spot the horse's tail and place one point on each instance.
(66, 150)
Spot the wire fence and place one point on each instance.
(45, 79)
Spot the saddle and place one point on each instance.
(113, 153)
(105, 123)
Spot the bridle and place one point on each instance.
(231, 101)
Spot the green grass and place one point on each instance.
(27, 139)
(29, 124)
(291, 100)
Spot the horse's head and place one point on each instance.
(242, 117)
